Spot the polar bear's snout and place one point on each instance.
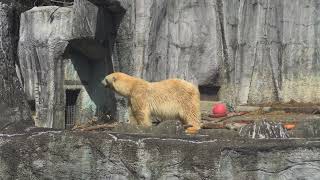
(104, 82)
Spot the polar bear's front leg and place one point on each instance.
(132, 119)
(141, 112)
(144, 118)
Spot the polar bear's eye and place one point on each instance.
(114, 79)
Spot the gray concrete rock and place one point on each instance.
(68, 48)
(257, 51)
(40, 56)
(14, 111)
(102, 155)
(168, 128)
(272, 51)
(263, 51)
(165, 39)
(264, 130)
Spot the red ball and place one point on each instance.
(219, 110)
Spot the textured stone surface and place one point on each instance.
(102, 155)
(169, 39)
(272, 50)
(257, 51)
(14, 111)
(68, 48)
(264, 51)
(40, 56)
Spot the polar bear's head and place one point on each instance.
(119, 82)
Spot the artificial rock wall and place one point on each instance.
(14, 109)
(67, 48)
(102, 155)
(258, 51)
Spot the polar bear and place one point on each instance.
(167, 99)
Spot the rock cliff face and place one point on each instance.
(40, 56)
(102, 155)
(165, 39)
(263, 51)
(273, 50)
(255, 51)
(64, 49)
(14, 110)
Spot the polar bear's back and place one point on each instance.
(171, 98)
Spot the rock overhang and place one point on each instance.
(51, 37)
(84, 14)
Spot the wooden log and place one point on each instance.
(306, 109)
(207, 118)
(252, 108)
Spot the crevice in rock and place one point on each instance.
(223, 41)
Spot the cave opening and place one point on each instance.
(86, 62)
(71, 108)
(209, 92)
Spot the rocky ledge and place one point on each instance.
(48, 154)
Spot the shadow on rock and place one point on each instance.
(167, 127)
